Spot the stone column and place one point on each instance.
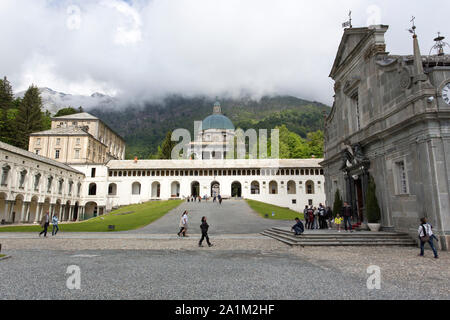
(61, 212)
(23, 211)
(39, 208)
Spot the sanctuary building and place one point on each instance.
(390, 120)
(77, 170)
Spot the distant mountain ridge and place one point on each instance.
(53, 100)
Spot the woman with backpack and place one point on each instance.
(426, 235)
(183, 224)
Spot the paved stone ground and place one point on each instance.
(220, 273)
(153, 263)
(231, 217)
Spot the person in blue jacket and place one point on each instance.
(298, 227)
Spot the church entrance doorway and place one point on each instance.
(195, 189)
(236, 189)
(215, 189)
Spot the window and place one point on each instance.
(93, 172)
(57, 153)
(77, 153)
(78, 141)
(37, 151)
(309, 187)
(58, 141)
(92, 189)
(402, 179)
(38, 141)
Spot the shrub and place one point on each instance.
(372, 208)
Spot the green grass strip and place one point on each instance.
(281, 213)
(142, 215)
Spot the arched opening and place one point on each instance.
(90, 210)
(66, 212)
(236, 189)
(309, 187)
(3, 207)
(195, 188)
(45, 208)
(273, 187)
(33, 209)
(254, 187)
(175, 189)
(215, 189)
(112, 189)
(291, 187)
(156, 189)
(17, 209)
(136, 188)
(56, 209)
(92, 189)
(75, 211)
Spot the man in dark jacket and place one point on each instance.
(347, 214)
(298, 227)
(204, 227)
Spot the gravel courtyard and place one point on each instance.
(237, 267)
(153, 263)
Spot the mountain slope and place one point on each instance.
(144, 128)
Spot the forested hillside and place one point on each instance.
(144, 128)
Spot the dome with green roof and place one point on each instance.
(217, 120)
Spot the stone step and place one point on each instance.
(345, 234)
(356, 238)
(350, 239)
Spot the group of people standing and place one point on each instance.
(199, 199)
(317, 217)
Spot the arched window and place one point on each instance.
(92, 189)
(112, 189)
(254, 187)
(273, 187)
(309, 187)
(136, 188)
(291, 187)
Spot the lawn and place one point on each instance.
(280, 213)
(126, 218)
(2, 255)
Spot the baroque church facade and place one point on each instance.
(77, 170)
(390, 120)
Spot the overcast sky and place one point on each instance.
(146, 49)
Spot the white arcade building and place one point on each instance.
(32, 184)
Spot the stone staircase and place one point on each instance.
(333, 238)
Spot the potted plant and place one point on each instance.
(373, 211)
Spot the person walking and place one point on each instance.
(183, 224)
(306, 216)
(204, 228)
(338, 222)
(220, 199)
(55, 228)
(298, 228)
(426, 235)
(347, 215)
(44, 224)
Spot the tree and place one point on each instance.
(67, 111)
(8, 131)
(337, 205)
(165, 150)
(373, 211)
(6, 94)
(29, 116)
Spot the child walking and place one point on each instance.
(338, 221)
